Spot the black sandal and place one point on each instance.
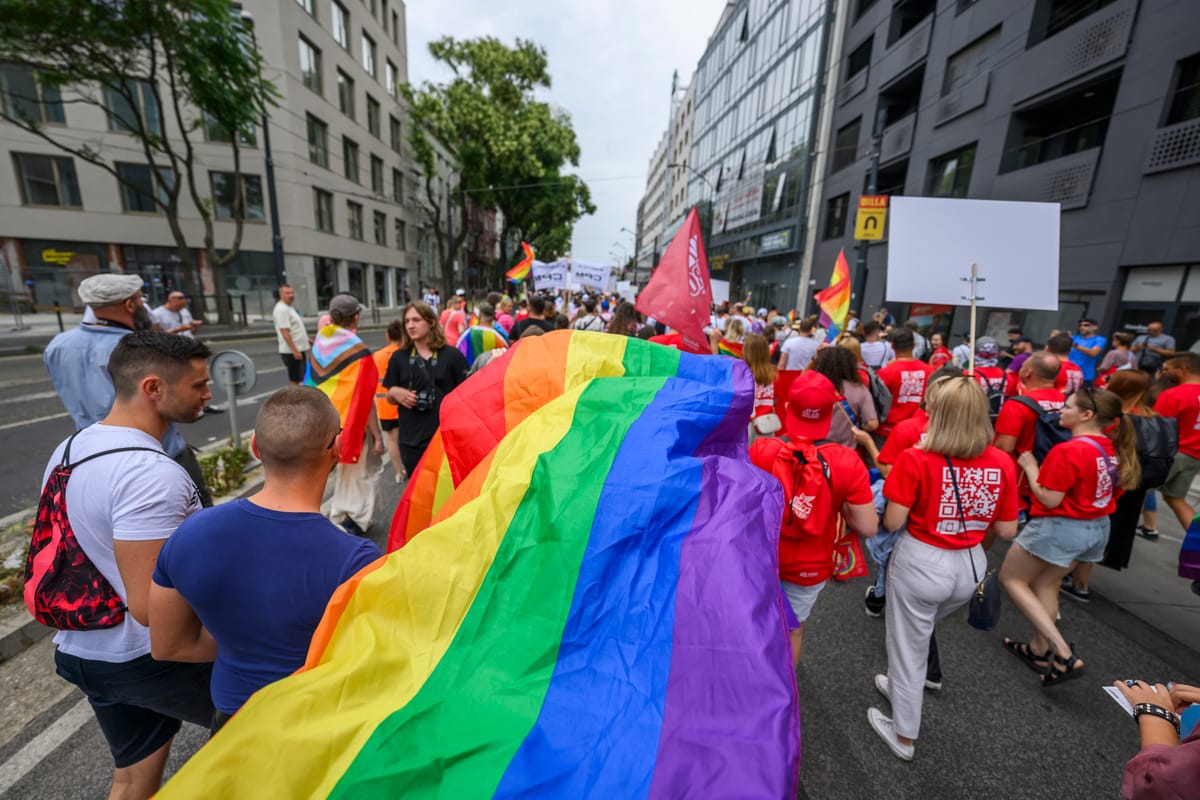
(1071, 669)
(1028, 657)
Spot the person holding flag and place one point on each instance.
(835, 299)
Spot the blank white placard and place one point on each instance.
(933, 241)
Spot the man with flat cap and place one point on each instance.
(77, 360)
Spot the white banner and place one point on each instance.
(549, 276)
(625, 289)
(588, 275)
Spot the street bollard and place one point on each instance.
(229, 379)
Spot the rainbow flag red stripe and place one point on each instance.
(728, 348)
(341, 366)
(521, 270)
(834, 300)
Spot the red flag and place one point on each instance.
(679, 293)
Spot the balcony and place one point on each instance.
(897, 139)
(853, 87)
(968, 97)
(1174, 146)
(1094, 41)
(1066, 180)
(906, 53)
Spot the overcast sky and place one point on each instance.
(610, 63)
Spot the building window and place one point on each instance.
(835, 216)
(397, 186)
(216, 132)
(380, 220)
(340, 24)
(373, 116)
(391, 76)
(862, 7)
(950, 175)
(350, 159)
(1185, 97)
(845, 146)
(226, 201)
(354, 215)
(345, 89)
(377, 175)
(318, 141)
(397, 135)
(970, 62)
(401, 235)
(139, 187)
(26, 99)
(134, 107)
(860, 59)
(47, 181)
(323, 204)
(310, 65)
(1062, 14)
(368, 55)
(396, 28)
(307, 5)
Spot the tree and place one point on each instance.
(161, 70)
(508, 148)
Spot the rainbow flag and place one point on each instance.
(521, 270)
(1189, 553)
(341, 366)
(598, 615)
(834, 300)
(728, 348)
(479, 340)
(791, 317)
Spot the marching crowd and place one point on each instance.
(926, 453)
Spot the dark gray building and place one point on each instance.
(1094, 104)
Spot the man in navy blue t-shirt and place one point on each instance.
(246, 583)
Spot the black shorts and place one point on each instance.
(389, 424)
(140, 703)
(295, 366)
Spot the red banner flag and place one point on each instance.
(679, 293)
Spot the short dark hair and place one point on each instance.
(1188, 362)
(494, 298)
(902, 340)
(294, 427)
(806, 326)
(589, 305)
(871, 327)
(143, 353)
(395, 330)
(1060, 344)
(487, 311)
(537, 304)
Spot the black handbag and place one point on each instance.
(983, 610)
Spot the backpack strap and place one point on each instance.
(1109, 467)
(66, 461)
(1030, 403)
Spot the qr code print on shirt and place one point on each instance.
(912, 387)
(979, 489)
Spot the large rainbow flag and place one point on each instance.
(597, 615)
(521, 270)
(834, 300)
(341, 366)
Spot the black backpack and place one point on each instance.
(995, 395)
(881, 395)
(1157, 444)
(1046, 432)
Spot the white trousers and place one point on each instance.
(356, 489)
(924, 584)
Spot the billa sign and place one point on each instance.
(872, 214)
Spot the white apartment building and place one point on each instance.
(344, 178)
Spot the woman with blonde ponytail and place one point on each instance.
(1074, 491)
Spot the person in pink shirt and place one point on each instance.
(454, 320)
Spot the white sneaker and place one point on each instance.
(883, 726)
(881, 683)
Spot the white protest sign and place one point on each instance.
(590, 275)
(720, 291)
(549, 276)
(933, 241)
(625, 288)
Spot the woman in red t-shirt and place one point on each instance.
(948, 490)
(757, 355)
(1074, 491)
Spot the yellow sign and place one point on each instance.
(872, 214)
(717, 263)
(60, 257)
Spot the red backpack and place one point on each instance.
(63, 588)
(805, 476)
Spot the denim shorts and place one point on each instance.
(139, 703)
(1062, 540)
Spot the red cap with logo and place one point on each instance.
(810, 406)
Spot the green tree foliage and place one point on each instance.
(158, 69)
(509, 148)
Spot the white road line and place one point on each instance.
(269, 371)
(28, 397)
(34, 421)
(27, 381)
(43, 744)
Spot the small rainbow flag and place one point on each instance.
(478, 340)
(728, 348)
(791, 317)
(341, 366)
(598, 614)
(521, 270)
(834, 300)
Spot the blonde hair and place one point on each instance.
(757, 355)
(734, 330)
(852, 344)
(958, 419)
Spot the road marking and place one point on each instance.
(26, 381)
(33, 421)
(43, 744)
(28, 397)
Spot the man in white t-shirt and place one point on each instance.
(876, 353)
(291, 336)
(121, 507)
(173, 316)
(797, 351)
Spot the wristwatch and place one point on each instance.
(1156, 711)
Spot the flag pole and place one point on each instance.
(974, 298)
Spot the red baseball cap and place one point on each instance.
(810, 406)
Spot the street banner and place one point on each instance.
(547, 277)
(834, 300)
(679, 293)
(588, 275)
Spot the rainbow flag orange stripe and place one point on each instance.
(341, 366)
(728, 348)
(834, 300)
(521, 270)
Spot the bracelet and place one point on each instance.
(1157, 711)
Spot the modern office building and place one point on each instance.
(345, 180)
(1092, 104)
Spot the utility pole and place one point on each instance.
(859, 285)
(449, 234)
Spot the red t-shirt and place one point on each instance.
(1183, 403)
(1017, 420)
(987, 485)
(1070, 377)
(990, 378)
(809, 561)
(905, 379)
(453, 324)
(906, 434)
(1075, 467)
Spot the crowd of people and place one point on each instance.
(885, 432)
